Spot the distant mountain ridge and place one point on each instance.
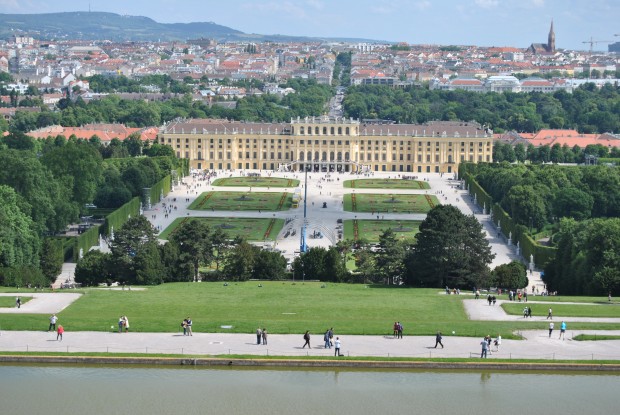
(116, 27)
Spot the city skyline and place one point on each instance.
(466, 22)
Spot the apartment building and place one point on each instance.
(328, 144)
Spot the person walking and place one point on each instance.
(121, 322)
(562, 330)
(126, 324)
(400, 330)
(259, 335)
(331, 336)
(395, 329)
(498, 342)
(485, 347)
(59, 332)
(550, 329)
(264, 336)
(18, 302)
(326, 339)
(438, 340)
(337, 347)
(550, 314)
(307, 339)
(53, 320)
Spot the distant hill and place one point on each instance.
(111, 26)
(100, 25)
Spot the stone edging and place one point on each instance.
(358, 364)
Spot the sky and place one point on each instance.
(515, 23)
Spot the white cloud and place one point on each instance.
(422, 5)
(538, 3)
(487, 4)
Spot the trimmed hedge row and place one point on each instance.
(541, 254)
(85, 241)
(161, 187)
(118, 218)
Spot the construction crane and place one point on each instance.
(592, 42)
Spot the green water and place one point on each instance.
(117, 390)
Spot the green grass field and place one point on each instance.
(256, 182)
(565, 310)
(370, 230)
(281, 307)
(264, 201)
(385, 203)
(385, 184)
(9, 302)
(251, 229)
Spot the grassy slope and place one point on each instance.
(350, 309)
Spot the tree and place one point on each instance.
(82, 163)
(19, 240)
(389, 258)
(93, 269)
(450, 250)
(51, 258)
(572, 203)
(193, 239)
(269, 265)
(134, 245)
(239, 264)
(512, 275)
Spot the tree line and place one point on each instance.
(587, 109)
(310, 100)
(578, 205)
(550, 154)
(194, 252)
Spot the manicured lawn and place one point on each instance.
(281, 307)
(385, 184)
(10, 301)
(595, 337)
(572, 299)
(565, 310)
(256, 182)
(264, 201)
(385, 203)
(370, 230)
(251, 229)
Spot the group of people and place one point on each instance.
(398, 330)
(328, 337)
(562, 330)
(186, 325)
(491, 299)
(123, 323)
(261, 335)
(52, 327)
(527, 312)
(486, 345)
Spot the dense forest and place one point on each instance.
(588, 109)
(578, 205)
(45, 185)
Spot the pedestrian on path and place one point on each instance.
(307, 339)
(337, 347)
(485, 347)
(562, 330)
(126, 324)
(53, 320)
(326, 339)
(189, 326)
(18, 302)
(438, 340)
(59, 332)
(550, 329)
(121, 323)
(259, 335)
(264, 336)
(550, 314)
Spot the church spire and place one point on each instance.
(551, 39)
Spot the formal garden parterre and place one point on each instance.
(250, 229)
(379, 183)
(389, 203)
(237, 201)
(255, 181)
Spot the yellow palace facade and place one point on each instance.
(328, 144)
